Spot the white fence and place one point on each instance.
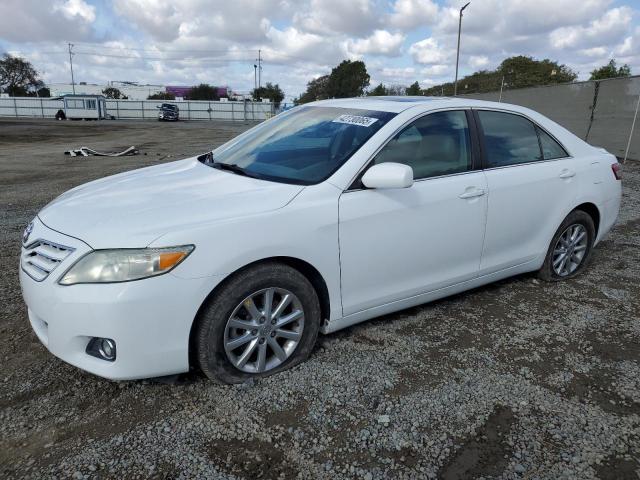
(143, 109)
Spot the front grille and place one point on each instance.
(41, 257)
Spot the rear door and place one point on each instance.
(398, 243)
(531, 179)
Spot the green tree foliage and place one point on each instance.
(270, 91)
(518, 72)
(610, 70)
(162, 96)
(203, 91)
(378, 91)
(113, 93)
(413, 89)
(17, 76)
(349, 79)
(43, 92)
(316, 90)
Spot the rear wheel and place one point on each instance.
(262, 321)
(570, 249)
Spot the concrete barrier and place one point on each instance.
(600, 112)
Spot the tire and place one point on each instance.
(576, 219)
(212, 332)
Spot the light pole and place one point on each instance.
(455, 84)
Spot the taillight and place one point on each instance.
(617, 170)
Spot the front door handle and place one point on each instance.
(471, 192)
(566, 173)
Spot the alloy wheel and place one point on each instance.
(264, 330)
(570, 250)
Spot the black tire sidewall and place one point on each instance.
(576, 217)
(211, 323)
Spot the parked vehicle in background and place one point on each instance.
(169, 112)
(327, 215)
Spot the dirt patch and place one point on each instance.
(484, 454)
(253, 459)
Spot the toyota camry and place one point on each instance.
(324, 216)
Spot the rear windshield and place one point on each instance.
(304, 145)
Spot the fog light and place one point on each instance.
(103, 348)
(107, 349)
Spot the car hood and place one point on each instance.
(132, 209)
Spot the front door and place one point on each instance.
(398, 243)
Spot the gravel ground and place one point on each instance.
(519, 379)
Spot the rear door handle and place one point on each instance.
(566, 173)
(471, 192)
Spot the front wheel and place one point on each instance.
(570, 249)
(261, 321)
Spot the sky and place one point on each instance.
(187, 42)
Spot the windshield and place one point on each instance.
(167, 106)
(304, 145)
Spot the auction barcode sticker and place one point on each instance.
(356, 120)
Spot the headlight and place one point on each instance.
(124, 265)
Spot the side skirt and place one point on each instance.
(344, 322)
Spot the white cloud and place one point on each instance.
(295, 46)
(428, 51)
(351, 17)
(35, 21)
(76, 8)
(478, 61)
(435, 70)
(409, 14)
(381, 42)
(611, 26)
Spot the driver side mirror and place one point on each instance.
(388, 175)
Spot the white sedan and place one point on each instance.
(327, 215)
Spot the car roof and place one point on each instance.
(397, 104)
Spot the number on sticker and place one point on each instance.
(356, 120)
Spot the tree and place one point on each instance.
(270, 91)
(518, 72)
(396, 90)
(316, 90)
(203, 91)
(162, 96)
(17, 76)
(349, 79)
(413, 89)
(378, 91)
(43, 92)
(113, 93)
(610, 71)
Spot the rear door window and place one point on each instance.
(509, 139)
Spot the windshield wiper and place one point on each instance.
(232, 167)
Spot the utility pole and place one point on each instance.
(455, 85)
(501, 87)
(73, 83)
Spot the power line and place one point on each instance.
(157, 50)
(142, 57)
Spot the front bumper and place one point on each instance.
(150, 320)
